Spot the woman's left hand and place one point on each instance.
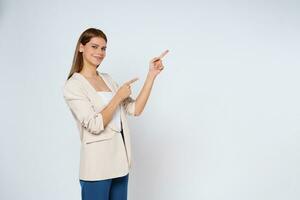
(156, 65)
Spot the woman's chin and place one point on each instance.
(96, 63)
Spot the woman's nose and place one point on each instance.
(102, 52)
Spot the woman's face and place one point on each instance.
(94, 51)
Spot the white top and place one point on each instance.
(107, 96)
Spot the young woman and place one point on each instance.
(99, 106)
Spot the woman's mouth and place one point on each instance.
(98, 57)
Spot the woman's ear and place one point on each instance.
(81, 48)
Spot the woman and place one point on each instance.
(99, 106)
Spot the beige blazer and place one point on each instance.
(103, 153)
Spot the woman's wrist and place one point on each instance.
(151, 76)
(117, 98)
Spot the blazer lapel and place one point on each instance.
(109, 85)
(96, 101)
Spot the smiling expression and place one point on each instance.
(94, 51)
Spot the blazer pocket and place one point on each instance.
(89, 138)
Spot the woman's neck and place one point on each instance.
(89, 71)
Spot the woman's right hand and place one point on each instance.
(124, 91)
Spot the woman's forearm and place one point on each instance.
(144, 94)
(109, 110)
(123, 92)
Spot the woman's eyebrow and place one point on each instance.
(98, 45)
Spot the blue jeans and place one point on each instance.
(110, 189)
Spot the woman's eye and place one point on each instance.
(95, 47)
(103, 49)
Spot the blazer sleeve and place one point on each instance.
(82, 108)
(128, 103)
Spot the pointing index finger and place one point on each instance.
(131, 81)
(163, 54)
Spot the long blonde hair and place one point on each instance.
(84, 38)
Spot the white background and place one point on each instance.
(222, 122)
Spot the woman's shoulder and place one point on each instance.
(72, 84)
(73, 80)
